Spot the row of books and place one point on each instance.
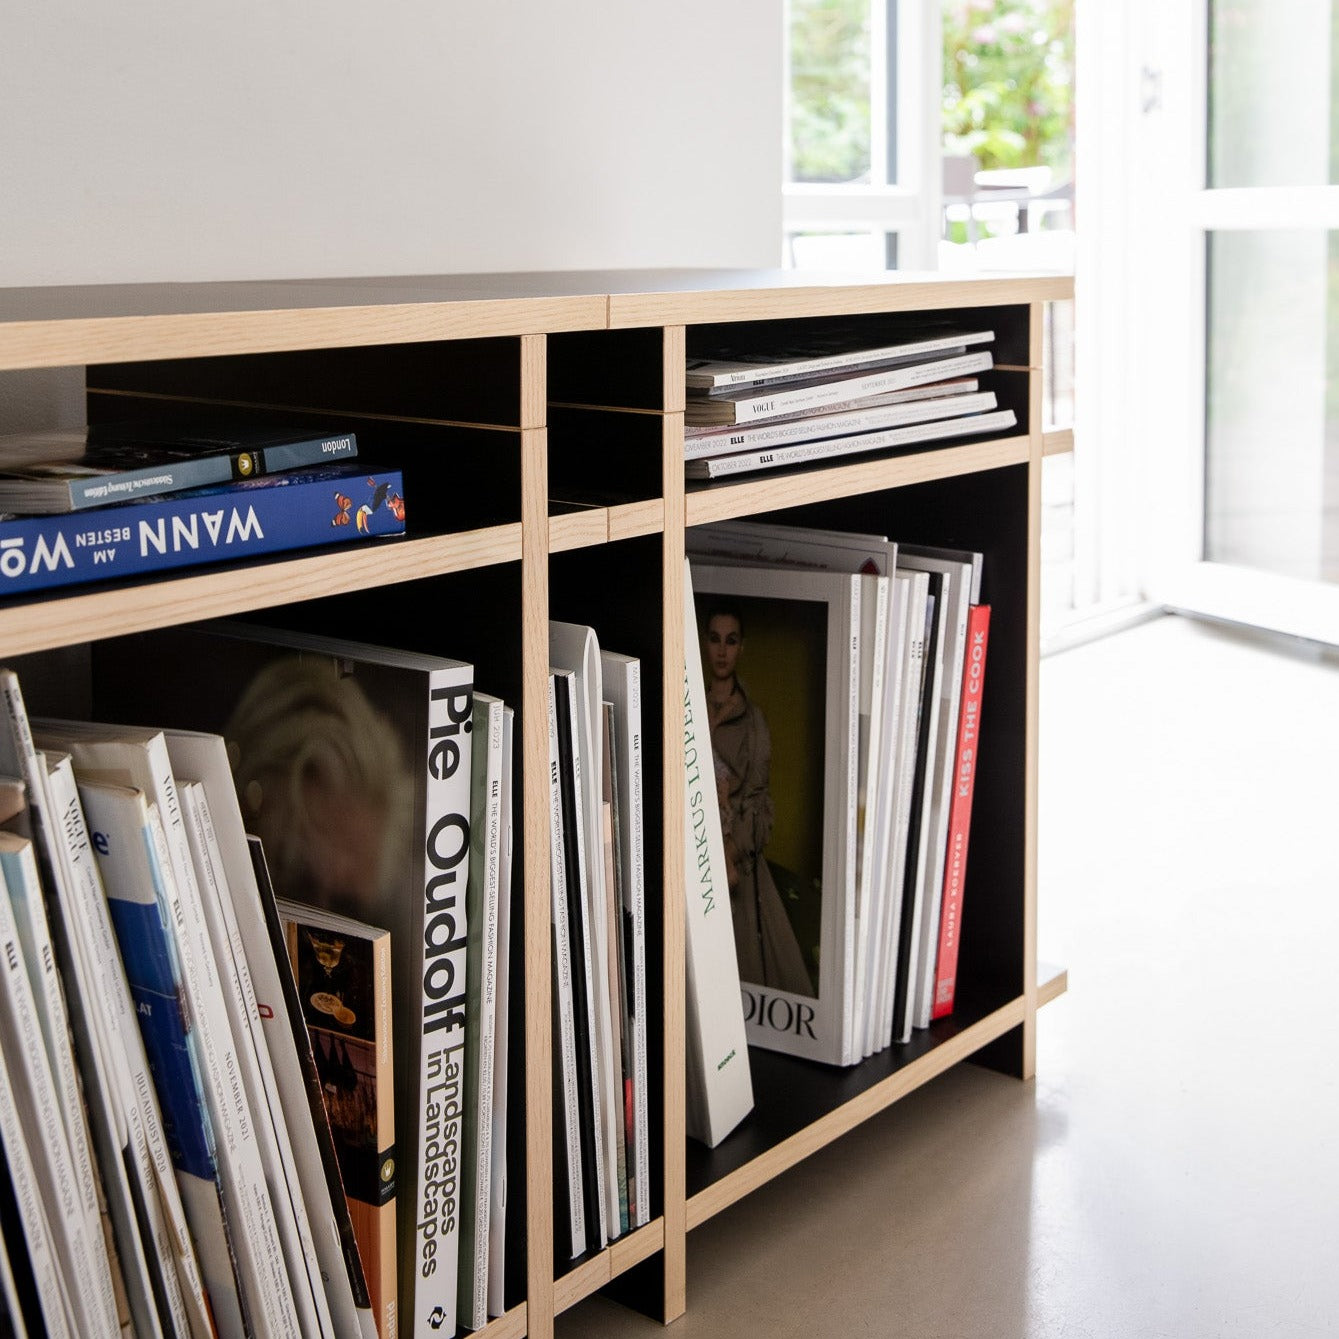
(602, 1171)
(841, 695)
(225, 1135)
(769, 405)
(131, 498)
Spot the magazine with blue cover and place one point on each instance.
(303, 508)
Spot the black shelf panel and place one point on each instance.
(791, 1094)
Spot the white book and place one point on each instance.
(885, 817)
(138, 757)
(75, 1227)
(917, 592)
(257, 1071)
(30, 919)
(575, 647)
(915, 407)
(481, 976)
(962, 573)
(623, 689)
(202, 758)
(40, 1247)
(745, 406)
(566, 1099)
(719, 1081)
(804, 453)
(497, 1217)
(152, 1228)
(750, 367)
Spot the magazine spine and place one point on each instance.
(799, 453)
(960, 813)
(706, 374)
(237, 521)
(819, 427)
(830, 391)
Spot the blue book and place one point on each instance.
(71, 470)
(300, 509)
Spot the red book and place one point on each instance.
(960, 809)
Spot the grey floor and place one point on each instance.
(1174, 1169)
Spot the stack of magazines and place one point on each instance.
(598, 886)
(818, 399)
(132, 497)
(843, 677)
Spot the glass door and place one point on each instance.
(1247, 528)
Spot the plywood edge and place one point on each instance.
(581, 529)
(182, 596)
(1057, 442)
(128, 339)
(1052, 982)
(707, 1203)
(837, 298)
(724, 501)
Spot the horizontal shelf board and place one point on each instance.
(720, 501)
(1057, 441)
(88, 614)
(1052, 982)
(697, 296)
(590, 1275)
(64, 326)
(800, 1106)
(511, 1325)
(588, 527)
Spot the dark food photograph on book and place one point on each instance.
(762, 409)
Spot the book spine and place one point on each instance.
(43, 552)
(434, 1200)
(799, 453)
(220, 467)
(837, 391)
(564, 1022)
(815, 427)
(960, 812)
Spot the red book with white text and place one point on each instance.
(960, 809)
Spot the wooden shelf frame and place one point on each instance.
(123, 325)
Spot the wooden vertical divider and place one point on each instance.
(1036, 449)
(535, 838)
(674, 929)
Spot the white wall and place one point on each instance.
(151, 140)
